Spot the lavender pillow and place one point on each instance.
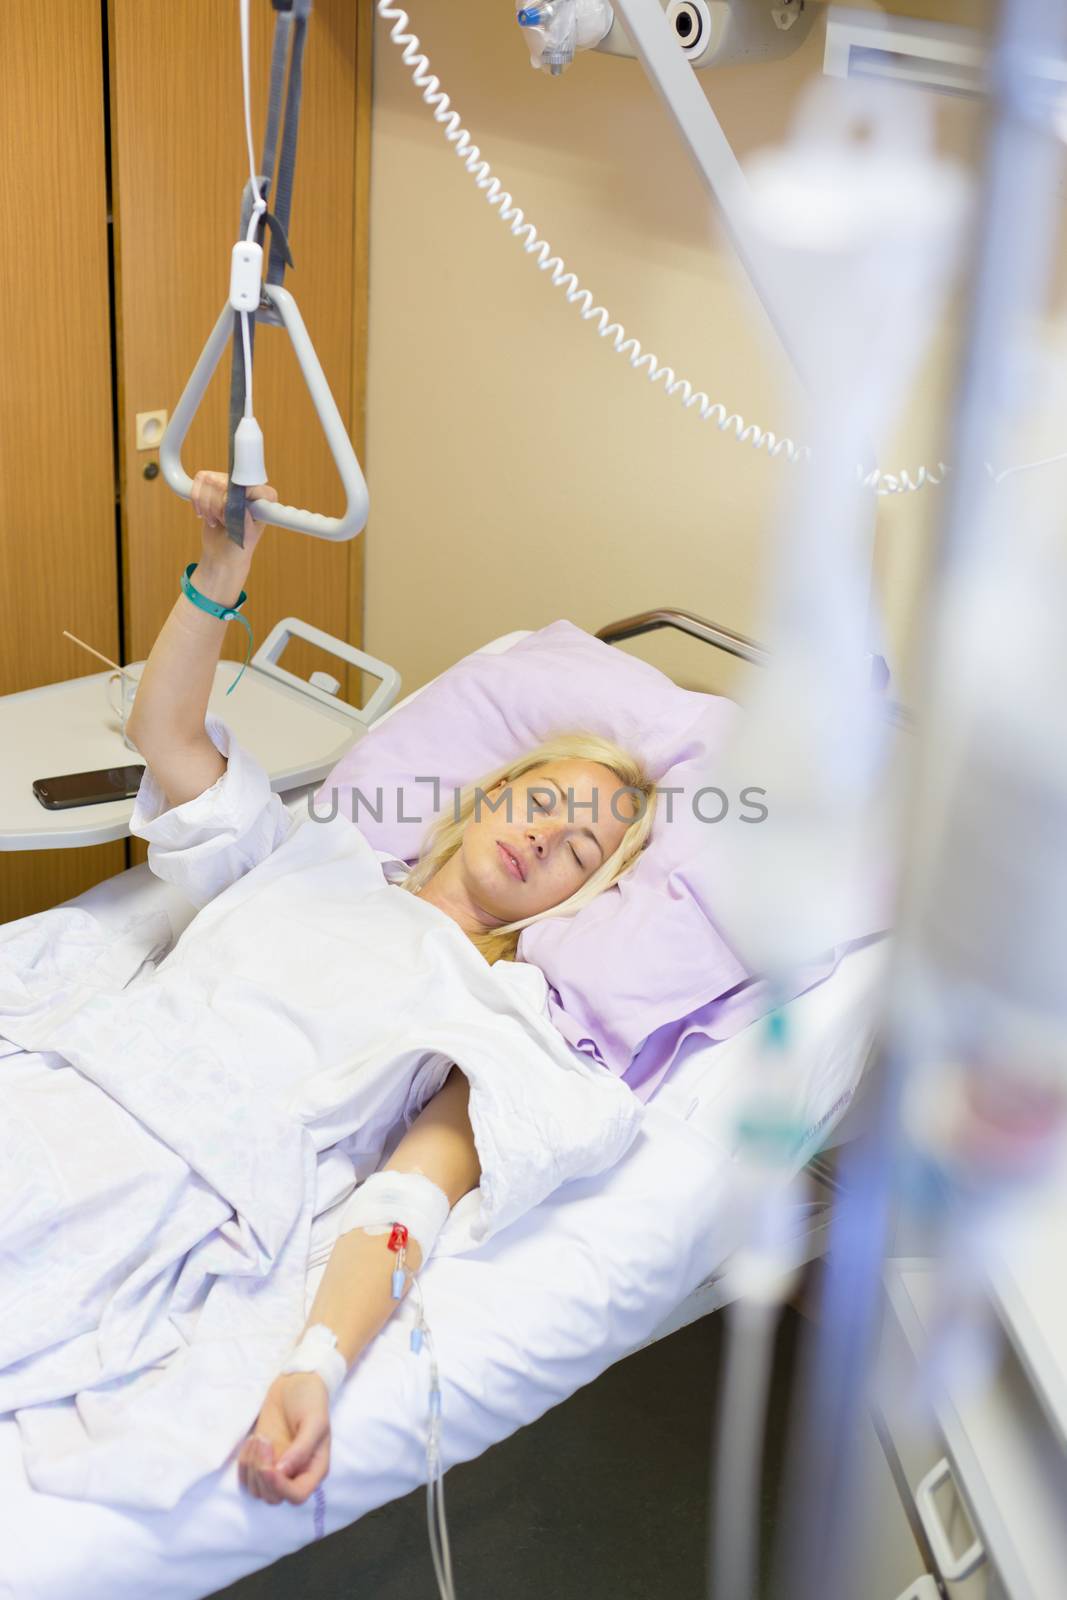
(644, 966)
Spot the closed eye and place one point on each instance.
(542, 806)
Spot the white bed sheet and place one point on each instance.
(519, 1324)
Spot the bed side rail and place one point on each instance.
(734, 644)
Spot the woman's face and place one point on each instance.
(530, 844)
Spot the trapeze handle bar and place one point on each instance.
(357, 502)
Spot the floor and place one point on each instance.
(604, 1496)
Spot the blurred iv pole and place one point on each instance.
(867, 220)
(976, 997)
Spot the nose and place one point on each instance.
(543, 836)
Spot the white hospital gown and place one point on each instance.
(174, 1123)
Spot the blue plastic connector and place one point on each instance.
(529, 16)
(777, 1028)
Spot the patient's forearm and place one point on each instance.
(173, 693)
(355, 1295)
(167, 721)
(354, 1298)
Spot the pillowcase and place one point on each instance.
(645, 964)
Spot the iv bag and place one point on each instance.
(866, 233)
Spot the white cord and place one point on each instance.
(437, 1525)
(1029, 466)
(259, 205)
(882, 483)
(246, 340)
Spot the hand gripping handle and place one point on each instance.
(279, 516)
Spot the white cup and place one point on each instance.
(121, 689)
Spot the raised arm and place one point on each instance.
(288, 1452)
(167, 721)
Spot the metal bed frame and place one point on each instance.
(736, 644)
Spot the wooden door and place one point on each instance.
(58, 550)
(180, 165)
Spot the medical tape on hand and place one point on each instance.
(318, 1352)
(407, 1197)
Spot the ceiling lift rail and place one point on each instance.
(690, 110)
(252, 301)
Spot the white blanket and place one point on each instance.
(175, 1125)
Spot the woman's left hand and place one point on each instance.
(287, 1454)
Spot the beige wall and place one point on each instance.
(519, 470)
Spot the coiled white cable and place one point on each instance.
(882, 483)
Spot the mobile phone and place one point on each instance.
(88, 788)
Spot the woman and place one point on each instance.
(543, 836)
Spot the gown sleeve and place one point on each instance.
(207, 843)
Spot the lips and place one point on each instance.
(511, 862)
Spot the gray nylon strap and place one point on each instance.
(283, 194)
(290, 26)
(282, 26)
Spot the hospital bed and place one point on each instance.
(601, 1268)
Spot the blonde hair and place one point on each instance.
(446, 836)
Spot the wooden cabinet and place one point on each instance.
(58, 548)
(134, 117)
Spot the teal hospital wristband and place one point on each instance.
(224, 613)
